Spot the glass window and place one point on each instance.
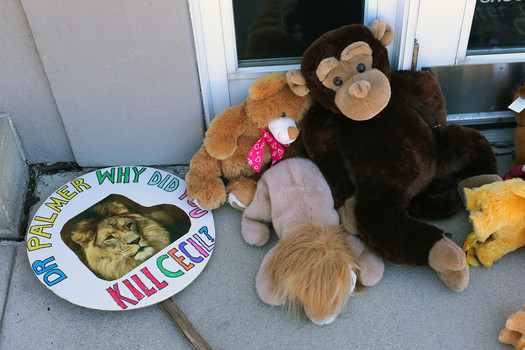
(498, 26)
(270, 32)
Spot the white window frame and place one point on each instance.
(443, 30)
(221, 79)
(463, 59)
(214, 34)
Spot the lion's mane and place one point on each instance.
(113, 240)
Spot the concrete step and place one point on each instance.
(14, 178)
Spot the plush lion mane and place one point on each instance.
(310, 270)
(112, 240)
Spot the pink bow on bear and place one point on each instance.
(257, 151)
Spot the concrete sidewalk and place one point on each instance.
(410, 308)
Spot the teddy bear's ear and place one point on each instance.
(296, 82)
(382, 31)
(267, 85)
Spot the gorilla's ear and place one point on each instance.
(296, 82)
(382, 31)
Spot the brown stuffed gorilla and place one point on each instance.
(381, 140)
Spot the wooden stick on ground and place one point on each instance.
(184, 325)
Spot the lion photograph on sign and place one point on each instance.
(116, 235)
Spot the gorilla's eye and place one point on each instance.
(129, 225)
(338, 81)
(109, 237)
(360, 68)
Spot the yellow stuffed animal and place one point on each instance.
(221, 170)
(497, 212)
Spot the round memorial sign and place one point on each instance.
(120, 238)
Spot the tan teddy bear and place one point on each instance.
(245, 140)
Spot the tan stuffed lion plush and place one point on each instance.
(315, 265)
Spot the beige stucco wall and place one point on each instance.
(25, 91)
(109, 82)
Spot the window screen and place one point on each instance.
(498, 27)
(270, 32)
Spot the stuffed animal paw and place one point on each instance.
(449, 262)
(371, 266)
(514, 331)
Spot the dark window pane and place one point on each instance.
(278, 31)
(498, 27)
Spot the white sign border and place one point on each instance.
(158, 278)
